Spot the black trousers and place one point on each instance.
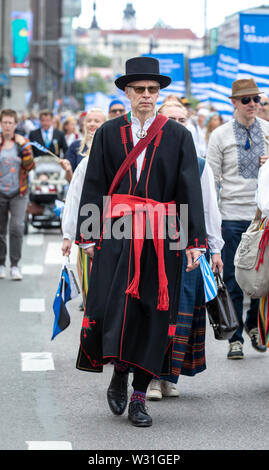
(141, 379)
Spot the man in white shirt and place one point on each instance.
(133, 293)
(51, 138)
(236, 151)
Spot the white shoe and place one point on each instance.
(154, 390)
(169, 389)
(2, 272)
(15, 274)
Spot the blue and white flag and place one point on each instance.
(202, 76)
(254, 49)
(210, 286)
(66, 291)
(226, 73)
(39, 147)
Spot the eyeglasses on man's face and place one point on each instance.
(247, 99)
(117, 111)
(141, 89)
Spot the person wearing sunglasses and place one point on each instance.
(133, 293)
(263, 111)
(236, 151)
(116, 108)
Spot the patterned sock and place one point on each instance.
(137, 395)
(120, 367)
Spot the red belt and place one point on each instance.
(140, 208)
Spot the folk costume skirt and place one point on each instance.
(188, 356)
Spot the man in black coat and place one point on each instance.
(134, 286)
(46, 135)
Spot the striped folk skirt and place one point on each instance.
(85, 266)
(189, 343)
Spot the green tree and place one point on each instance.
(93, 83)
(85, 58)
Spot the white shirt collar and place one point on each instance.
(136, 123)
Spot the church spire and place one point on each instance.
(129, 19)
(94, 24)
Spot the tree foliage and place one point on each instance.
(85, 58)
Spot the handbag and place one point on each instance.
(221, 312)
(252, 258)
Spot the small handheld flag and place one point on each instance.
(66, 291)
(39, 147)
(210, 286)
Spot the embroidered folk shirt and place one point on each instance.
(235, 165)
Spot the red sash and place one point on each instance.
(140, 208)
(153, 130)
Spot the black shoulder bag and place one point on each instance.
(221, 312)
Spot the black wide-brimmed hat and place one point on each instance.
(142, 68)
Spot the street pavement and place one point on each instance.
(46, 403)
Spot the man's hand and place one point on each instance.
(217, 262)
(66, 247)
(263, 159)
(89, 251)
(192, 254)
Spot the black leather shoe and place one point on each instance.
(137, 414)
(117, 395)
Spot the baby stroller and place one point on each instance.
(47, 184)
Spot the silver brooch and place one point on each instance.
(141, 133)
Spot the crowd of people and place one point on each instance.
(194, 158)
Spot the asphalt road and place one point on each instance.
(46, 403)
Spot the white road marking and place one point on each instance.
(35, 239)
(38, 361)
(32, 269)
(32, 305)
(49, 445)
(54, 254)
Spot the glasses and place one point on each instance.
(141, 89)
(118, 110)
(264, 103)
(247, 99)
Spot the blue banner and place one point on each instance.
(173, 66)
(202, 76)
(226, 73)
(254, 49)
(69, 62)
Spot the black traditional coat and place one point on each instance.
(116, 324)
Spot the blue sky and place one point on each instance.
(176, 13)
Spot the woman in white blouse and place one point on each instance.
(262, 195)
(93, 120)
(188, 356)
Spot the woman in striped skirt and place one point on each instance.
(188, 356)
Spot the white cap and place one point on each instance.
(203, 112)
